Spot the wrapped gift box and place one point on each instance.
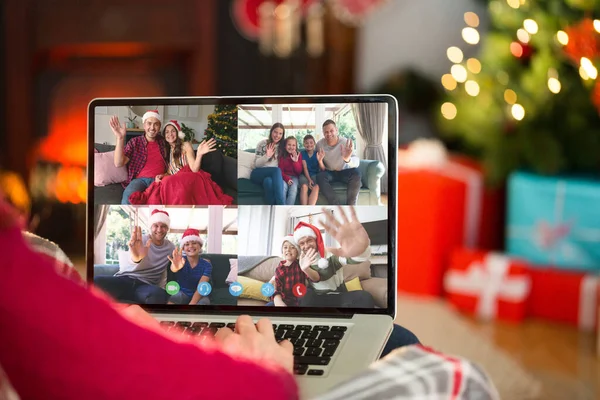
(488, 285)
(441, 204)
(554, 221)
(565, 296)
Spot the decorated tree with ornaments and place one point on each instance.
(223, 126)
(531, 98)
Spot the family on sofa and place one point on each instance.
(282, 174)
(159, 168)
(156, 272)
(309, 275)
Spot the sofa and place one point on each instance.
(220, 289)
(224, 173)
(253, 279)
(370, 192)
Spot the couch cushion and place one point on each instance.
(105, 172)
(361, 270)
(103, 148)
(246, 186)
(265, 270)
(109, 194)
(252, 289)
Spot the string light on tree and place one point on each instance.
(471, 19)
(454, 54)
(459, 73)
(510, 96)
(523, 35)
(554, 85)
(472, 88)
(597, 25)
(514, 3)
(449, 82)
(470, 35)
(589, 68)
(517, 111)
(449, 110)
(562, 38)
(474, 65)
(530, 26)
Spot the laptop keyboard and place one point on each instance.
(314, 345)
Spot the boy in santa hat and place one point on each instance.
(287, 275)
(327, 287)
(190, 270)
(142, 278)
(145, 156)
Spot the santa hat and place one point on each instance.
(290, 239)
(307, 230)
(160, 216)
(151, 114)
(191, 235)
(175, 124)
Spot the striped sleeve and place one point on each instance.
(416, 372)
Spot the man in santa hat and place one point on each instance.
(142, 278)
(326, 284)
(145, 156)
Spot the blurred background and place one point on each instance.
(499, 139)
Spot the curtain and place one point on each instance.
(100, 213)
(255, 230)
(370, 121)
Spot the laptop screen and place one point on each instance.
(244, 204)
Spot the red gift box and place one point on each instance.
(565, 296)
(439, 210)
(488, 285)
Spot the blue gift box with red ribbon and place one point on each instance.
(554, 220)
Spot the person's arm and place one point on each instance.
(298, 165)
(352, 160)
(121, 158)
(282, 164)
(305, 170)
(353, 163)
(65, 336)
(197, 296)
(261, 157)
(193, 161)
(279, 283)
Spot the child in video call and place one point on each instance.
(288, 274)
(310, 167)
(190, 270)
(290, 163)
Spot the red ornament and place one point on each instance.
(522, 51)
(584, 41)
(245, 15)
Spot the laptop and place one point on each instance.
(196, 174)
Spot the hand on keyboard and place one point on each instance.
(256, 342)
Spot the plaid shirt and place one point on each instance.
(286, 276)
(417, 372)
(137, 152)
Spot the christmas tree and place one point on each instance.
(223, 126)
(531, 98)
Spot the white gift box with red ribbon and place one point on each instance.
(488, 285)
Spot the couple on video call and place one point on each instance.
(281, 169)
(162, 168)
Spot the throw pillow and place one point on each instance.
(233, 271)
(105, 171)
(251, 289)
(245, 164)
(361, 270)
(354, 284)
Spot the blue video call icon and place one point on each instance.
(236, 289)
(267, 289)
(204, 288)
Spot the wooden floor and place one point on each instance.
(560, 356)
